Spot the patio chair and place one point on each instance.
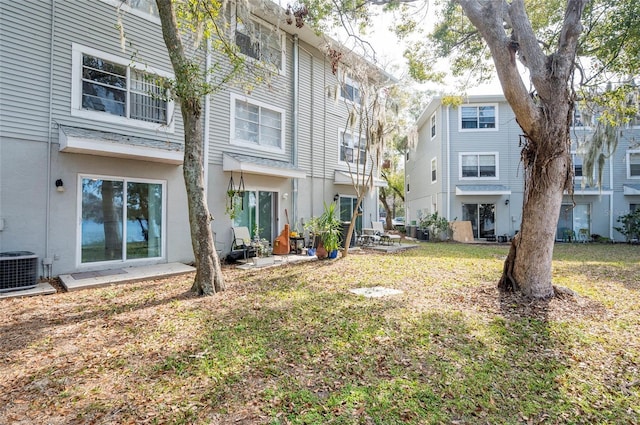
(241, 245)
(369, 237)
(385, 237)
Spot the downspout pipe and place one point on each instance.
(448, 165)
(610, 198)
(296, 127)
(48, 261)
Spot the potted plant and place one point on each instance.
(331, 230)
(439, 227)
(325, 232)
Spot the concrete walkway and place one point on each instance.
(82, 280)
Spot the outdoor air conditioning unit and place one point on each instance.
(18, 270)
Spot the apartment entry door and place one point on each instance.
(482, 218)
(347, 206)
(258, 208)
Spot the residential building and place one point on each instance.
(91, 148)
(466, 166)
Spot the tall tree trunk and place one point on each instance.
(547, 173)
(209, 279)
(544, 116)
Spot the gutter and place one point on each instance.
(448, 165)
(295, 136)
(610, 198)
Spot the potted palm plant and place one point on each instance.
(331, 230)
(325, 232)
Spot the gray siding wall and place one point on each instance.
(24, 69)
(93, 24)
(504, 141)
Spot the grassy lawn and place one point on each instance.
(291, 345)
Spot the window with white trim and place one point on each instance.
(350, 90)
(633, 164)
(257, 124)
(577, 166)
(478, 117)
(433, 125)
(260, 41)
(352, 148)
(434, 170)
(144, 8)
(108, 88)
(479, 165)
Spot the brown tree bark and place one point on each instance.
(544, 116)
(209, 279)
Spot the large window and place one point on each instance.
(479, 166)
(633, 164)
(260, 42)
(122, 219)
(481, 117)
(113, 89)
(257, 124)
(352, 148)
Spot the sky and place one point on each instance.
(389, 52)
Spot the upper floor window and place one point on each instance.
(109, 88)
(633, 164)
(480, 117)
(434, 170)
(582, 117)
(143, 8)
(352, 148)
(478, 165)
(577, 166)
(260, 42)
(257, 123)
(350, 90)
(433, 125)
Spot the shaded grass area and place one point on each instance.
(293, 345)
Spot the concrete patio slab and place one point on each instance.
(82, 280)
(43, 288)
(279, 260)
(393, 248)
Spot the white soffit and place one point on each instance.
(100, 143)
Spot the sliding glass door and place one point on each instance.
(482, 218)
(258, 207)
(122, 219)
